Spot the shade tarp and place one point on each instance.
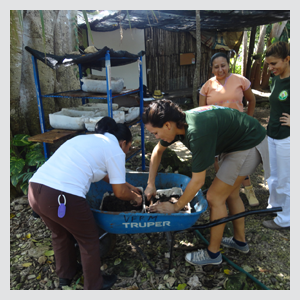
(182, 20)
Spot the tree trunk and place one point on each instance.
(17, 118)
(244, 53)
(196, 81)
(276, 32)
(256, 79)
(60, 39)
(251, 46)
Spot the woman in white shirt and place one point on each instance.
(58, 189)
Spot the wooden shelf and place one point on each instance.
(53, 135)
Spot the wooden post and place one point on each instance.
(249, 61)
(250, 52)
(196, 81)
(245, 40)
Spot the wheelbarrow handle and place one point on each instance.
(234, 217)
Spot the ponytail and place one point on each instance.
(109, 125)
(279, 50)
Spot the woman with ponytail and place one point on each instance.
(58, 189)
(207, 131)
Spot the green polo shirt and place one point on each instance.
(213, 130)
(279, 103)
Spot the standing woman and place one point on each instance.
(57, 193)
(227, 89)
(278, 131)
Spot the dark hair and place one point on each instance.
(162, 111)
(120, 131)
(218, 54)
(279, 50)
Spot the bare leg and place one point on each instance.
(235, 206)
(216, 196)
(246, 182)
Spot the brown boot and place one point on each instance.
(249, 192)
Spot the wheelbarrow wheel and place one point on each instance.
(107, 242)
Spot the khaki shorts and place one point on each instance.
(239, 163)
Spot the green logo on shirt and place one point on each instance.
(283, 95)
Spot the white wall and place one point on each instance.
(133, 42)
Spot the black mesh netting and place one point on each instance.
(183, 20)
(87, 60)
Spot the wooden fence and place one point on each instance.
(163, 49)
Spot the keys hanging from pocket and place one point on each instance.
(61, 207)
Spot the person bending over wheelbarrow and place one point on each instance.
(57, 193)
(207, 131)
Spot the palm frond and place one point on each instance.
(88, 25)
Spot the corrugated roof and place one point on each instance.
(183, 20)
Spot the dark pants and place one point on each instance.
(77, 223)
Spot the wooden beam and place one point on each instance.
(250, 52)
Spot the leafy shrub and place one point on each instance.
(24, 163)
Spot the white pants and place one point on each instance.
(279, 181)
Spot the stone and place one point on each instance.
(37, 251)
(42, 259)
(23, 201)
(18, 207)
(24, 272)
(171, 281)
(56, 283)
(194, 281)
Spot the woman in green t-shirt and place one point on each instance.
(278, 131)
(207, 131)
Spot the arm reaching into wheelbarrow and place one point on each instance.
(126, 192)
(192, 188)
(155, 160)
(189, 193)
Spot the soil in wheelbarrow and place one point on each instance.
(114, 204)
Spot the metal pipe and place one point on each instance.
(234, 217)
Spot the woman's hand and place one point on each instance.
(285, 119)
(138, 198)
(150, 192)
(249, 96)
(162, 207)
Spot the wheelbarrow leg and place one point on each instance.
(145, 257)
(170, 240)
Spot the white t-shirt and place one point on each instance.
(82, 160)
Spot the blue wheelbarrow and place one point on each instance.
(128, 223)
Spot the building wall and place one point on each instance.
(133, 42)
(163, 49)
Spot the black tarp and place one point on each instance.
(89, 60)
(183, 20)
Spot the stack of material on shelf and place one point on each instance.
(86, 116)
(98, 84)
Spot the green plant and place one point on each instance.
(25, 162)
